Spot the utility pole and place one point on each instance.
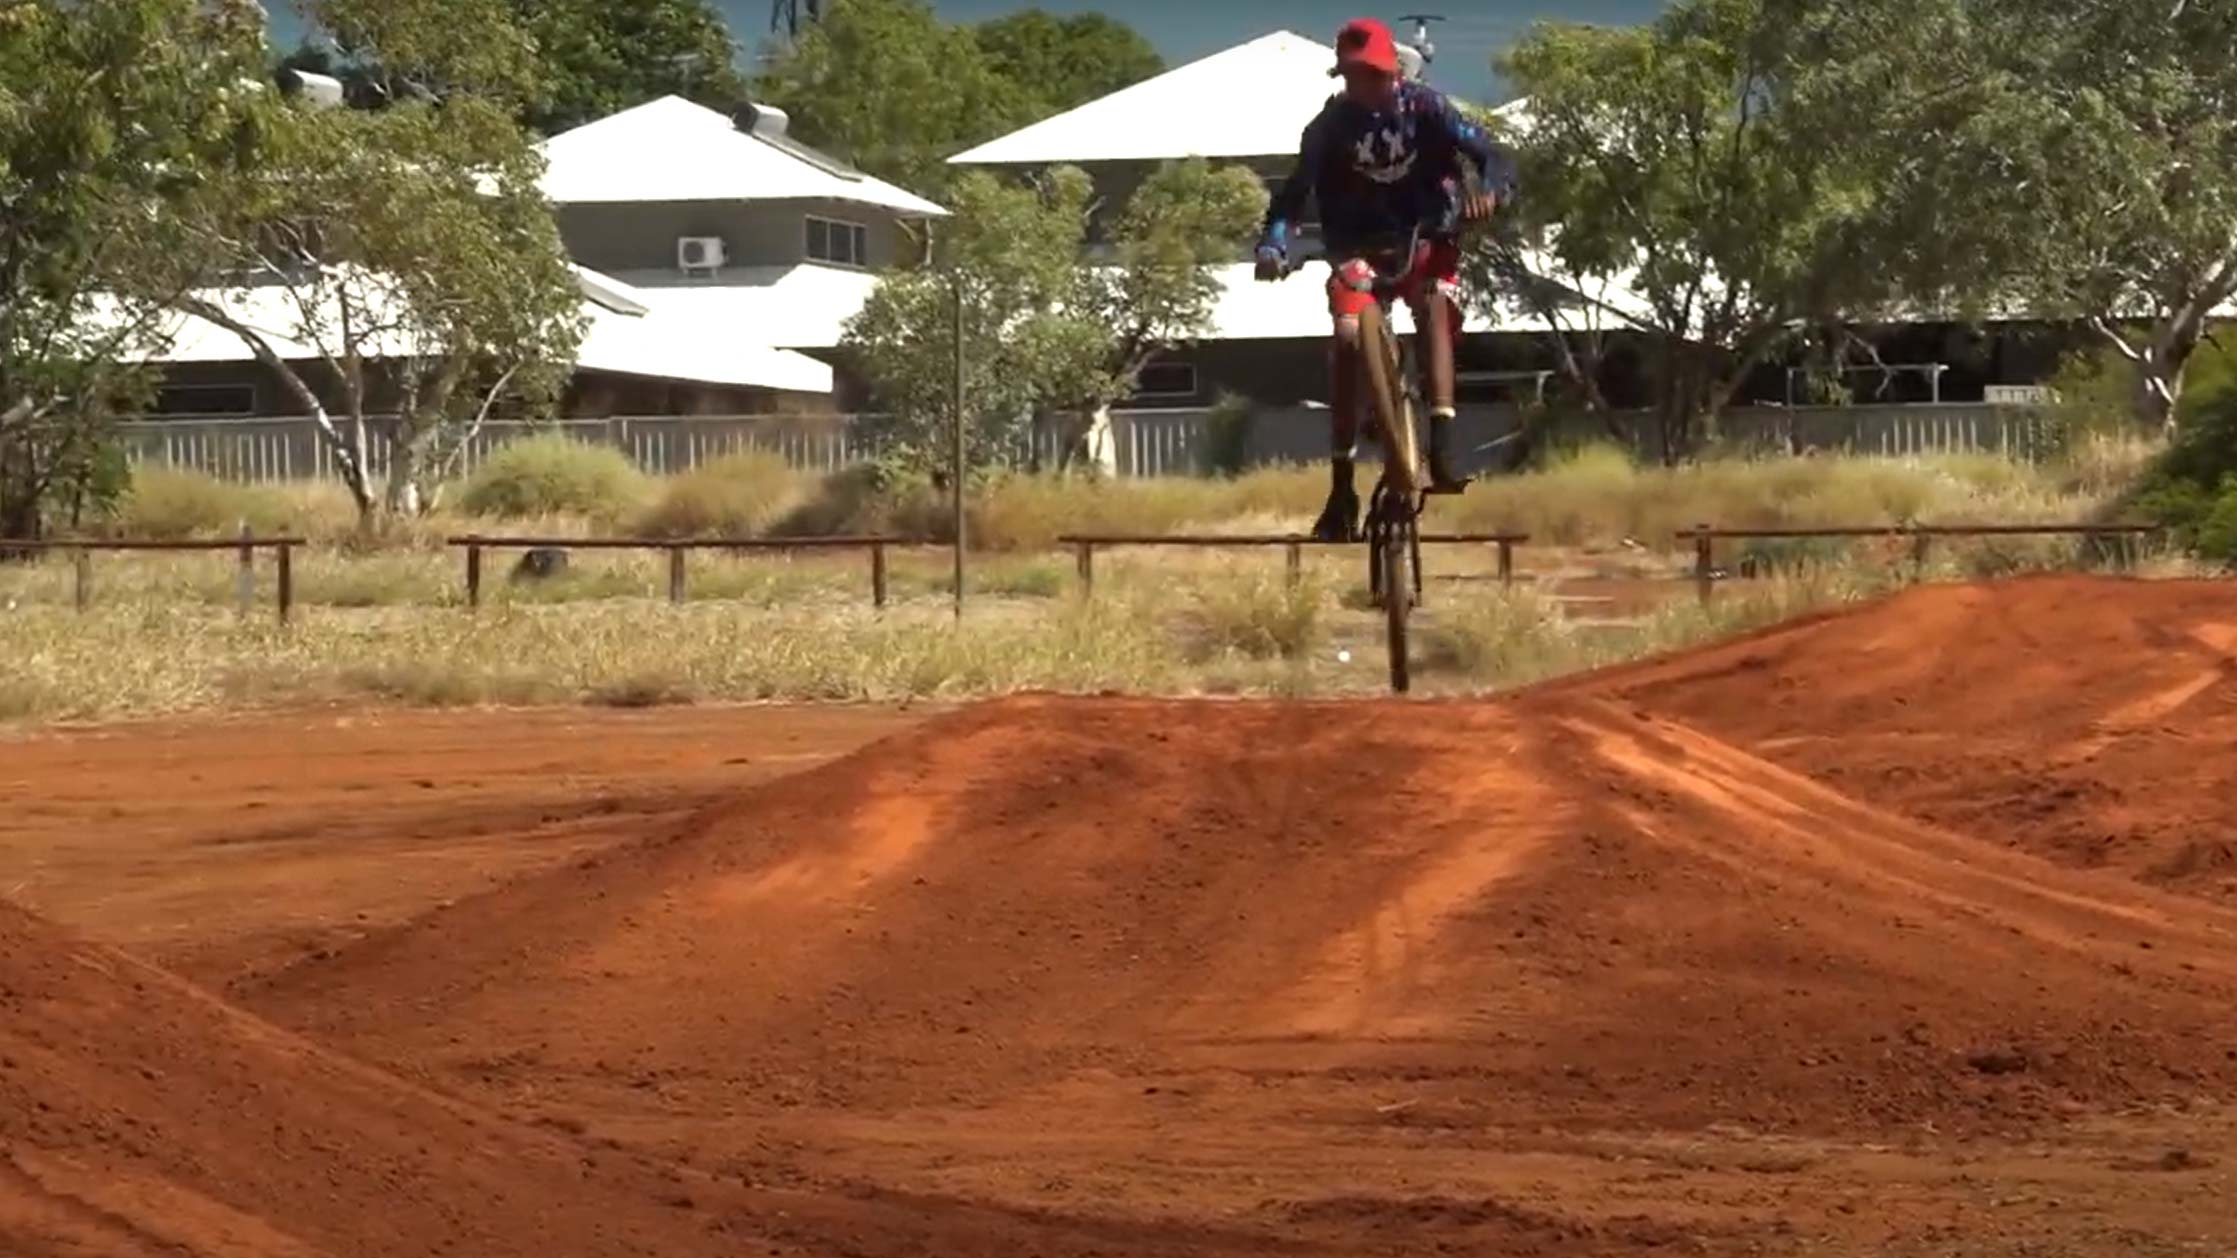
(956, 478)
(787, 15)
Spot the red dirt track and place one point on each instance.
(1899, 931)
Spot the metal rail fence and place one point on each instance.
(1705, 537)
(677, 549)
(81, 553)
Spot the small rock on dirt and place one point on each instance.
(2001, 1061)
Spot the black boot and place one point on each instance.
(1442, 478)
(1339, 520)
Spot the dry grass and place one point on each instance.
(1593, 496)
(385, 621)
(804, 630)
(738, 495)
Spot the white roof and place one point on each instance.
(1253, 100)
(673, 150)
(676, 341)
(631, 331)
(793, 307)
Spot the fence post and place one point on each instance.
(1296, 564)
(1087, 567)
(877, 575)
(1704, 560)
(473, 573)
(1506, 563)
(287, 581)
(82, 584)
(246, 584)
(676, 574)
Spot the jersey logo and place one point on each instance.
(1383, 155)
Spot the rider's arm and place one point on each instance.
(1289, 200)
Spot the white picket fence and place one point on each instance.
(1146, 442)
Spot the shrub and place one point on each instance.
(554, 475)
(1502, 638)
(1255, 615)
(737, 495)
(172, 503)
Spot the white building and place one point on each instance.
(716, 259)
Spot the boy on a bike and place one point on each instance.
(1380, 159)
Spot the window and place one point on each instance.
(830, 240)
(1166, 380)
(206, 399)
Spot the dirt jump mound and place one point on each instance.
(139, 1115)
(1559, 911)
(2083, 719)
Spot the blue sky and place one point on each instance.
(1183, 30)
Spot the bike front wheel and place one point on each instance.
(1398, 601)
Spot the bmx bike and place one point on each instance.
(1393, 517)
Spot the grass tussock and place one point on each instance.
(1256, 615)
(737, 495)
(555, 475)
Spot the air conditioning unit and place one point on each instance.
(699, 253)
(755, 118)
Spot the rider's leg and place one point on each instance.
(1339, 519)
(1437, 329)
(1343, 404)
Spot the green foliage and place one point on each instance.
(91, 197)
(603, 56)
(737, 495)
(1685, 156)
(2192, 489)
(2095, 177)
(889, 87)
(1054, 64)
(554, 475)
(1043, 330)
(399, 50)
(418, 254)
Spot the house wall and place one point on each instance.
(642, 237)
(1294, 371)
(600, 395)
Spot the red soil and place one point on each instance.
(2086, 720)
(1565, 974)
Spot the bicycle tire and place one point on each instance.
(1397, 602)
(1378, 354)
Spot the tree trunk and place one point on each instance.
(1101, 447)
(2154, 401)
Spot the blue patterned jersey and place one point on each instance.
(1376, 173)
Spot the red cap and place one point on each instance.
(1367, 42)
